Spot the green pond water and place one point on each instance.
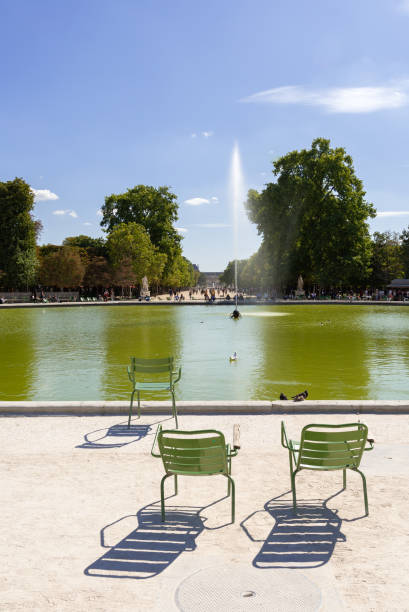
(336, 352)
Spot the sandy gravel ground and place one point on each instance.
(80, 526)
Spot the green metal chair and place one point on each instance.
(195, 453)
(328, 447)
(145, 368)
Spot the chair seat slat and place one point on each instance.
(304, 461)
(194, 452)
(209, 442)
(331, 446)
(150, 369)
(338, 454)
(335, 436)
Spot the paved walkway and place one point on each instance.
(80, 526)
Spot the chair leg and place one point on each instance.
(365, 492)
(233, 497)
(130, 408)
(162, 496)
(174, 409)
(229, 468)
(344, 478)
(139, 403)
(293, 474)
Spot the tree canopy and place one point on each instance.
(94, 247)
(18, 259)
(313, 219)
(61, 268)
(129, 246)
(387, 262)
(155, 209)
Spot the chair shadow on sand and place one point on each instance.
(303, 540)
(117, 435)
(152, 546)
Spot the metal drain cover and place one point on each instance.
(238, 589)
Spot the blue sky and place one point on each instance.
(98, 96)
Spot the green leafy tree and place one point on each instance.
(180, 274)
(129, 247)
(387, 262)
(313, 219)
(61, 268)
(18, 230)
(156, 268)
(94, 247)
(228, 276)
(156, 209)
(98, 273)
(404, 240)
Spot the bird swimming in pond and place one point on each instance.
(233, 357)
(300, 396)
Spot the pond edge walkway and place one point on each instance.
(100, 408)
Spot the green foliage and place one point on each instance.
(98, 273)
(227, 278)
(313, 219)
(46, 249)
(404, 238)
(156, 268)
(155, 209)
(387, 262)
(180, 274)
(94, 247)
(130, 252)
(62, 267)
(18, 258)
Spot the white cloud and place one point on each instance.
(99, 213)
(392, 213)
(200, 201)
(207, 134)
(69, 212)
(338, 99)
(43, 195)
(197, 201)
(211, 225)
(87, 223)
(181, 230)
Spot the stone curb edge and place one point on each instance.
(90, 408)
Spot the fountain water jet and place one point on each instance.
(237, 197)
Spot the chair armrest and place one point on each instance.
(231, 452)
(159, 428)
(284, 439)
(371, 442)
(130, 375)
(236, 437)
(179, 373)
(289, 444)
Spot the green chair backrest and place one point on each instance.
(193, 452)
(150, 366)
(331, 447)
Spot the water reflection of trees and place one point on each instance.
(142, 331)
(322, 349)
(17, 340)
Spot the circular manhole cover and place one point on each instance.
(238, 589)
